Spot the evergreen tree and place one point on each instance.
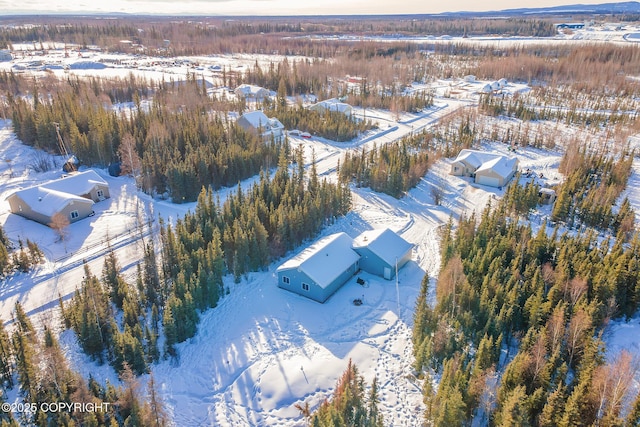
(6, 358)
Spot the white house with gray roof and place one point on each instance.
(254, 92)
(72, 196)
(259, 124)
(489, 169)
(332, 104)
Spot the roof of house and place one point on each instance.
(50, 197)
(247, 89)
(501, 165)
(325, 260)
(334, 104)
(384, 243)
(258, 118)
(474, 157)
(47, 201)
(77, 184)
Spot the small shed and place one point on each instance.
(382, 252)
(547, 196)
(321, 269)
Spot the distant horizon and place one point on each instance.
(272, 7)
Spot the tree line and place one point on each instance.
(393, 168)
(180, 151)
(36, 364)
(592, 185)
(516, 332)
(350, 405)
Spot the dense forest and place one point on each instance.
(36, 364)
(393, 168)
(516, 334)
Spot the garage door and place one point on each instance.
(487, 180)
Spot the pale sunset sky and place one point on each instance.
(272, 7)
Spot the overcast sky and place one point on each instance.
(272, 7)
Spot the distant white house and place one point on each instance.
(72, 196)
(486, 89)
(259, 124)
(382, 252)
(332, 104)
(321, 269)
(489, 169)
(256, 93)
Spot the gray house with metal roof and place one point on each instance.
(321, 269)
(382, 252)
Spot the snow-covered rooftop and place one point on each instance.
(251, 90)
(334, 104)
(482, 160)
(48, 201)
(385, 243)
(474, 158)
(78, 183)
(325, 260)
(258, 118)
(501, 165)
(49, 197)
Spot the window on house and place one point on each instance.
(100, 193)
(285, 279)
(74, 214)
(305, 286)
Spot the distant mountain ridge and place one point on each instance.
(571, 9)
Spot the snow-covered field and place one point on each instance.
(263, 349)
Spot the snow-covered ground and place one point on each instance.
(263, 349)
